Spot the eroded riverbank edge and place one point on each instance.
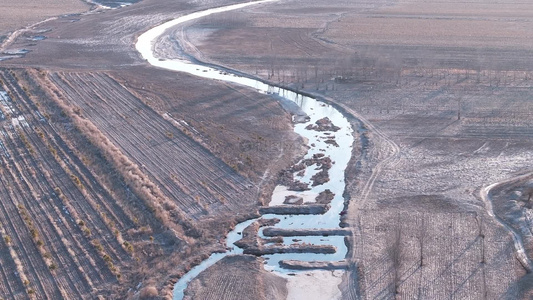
(353, 141)
(360, 145)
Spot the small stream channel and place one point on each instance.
(317, 142)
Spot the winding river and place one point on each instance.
(317, 141)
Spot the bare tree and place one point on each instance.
(395, 253)
(529, 193)
(481, 235)
(459, 100)
(422, 238)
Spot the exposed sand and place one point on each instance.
(315, 285)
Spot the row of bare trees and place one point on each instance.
(396, 250)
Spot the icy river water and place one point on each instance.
(316, 141)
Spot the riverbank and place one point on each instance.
(510, 201)
(322, 118)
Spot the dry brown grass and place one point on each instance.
(149, 292)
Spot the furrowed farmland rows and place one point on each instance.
(121, 216)
(4, 150)
(498, 131)
(65, 154)
(234, 182)
(292, 40)
(96, 193)
(225, 286)
(132, 141)
(87, 183)
(136, 207)
(195, 171)
(11, 285)
(301, 40)
(47, 227)
(15, 183)
(68, 223)
(468, 280)
(85, 186)
(35, 269)
(48, 189)
(97, 224)
(125, 101)
(242, 183)
(72, 240)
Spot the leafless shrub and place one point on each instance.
(148, 292)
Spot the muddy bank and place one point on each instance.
(318, 168)
(295, 248)
(313, 265)
(307, 209)
(252, 243)
(271, 231)
(512, 204)
(250, 238)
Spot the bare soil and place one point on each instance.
(19, 14)
(227, 278)
(65, 230)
